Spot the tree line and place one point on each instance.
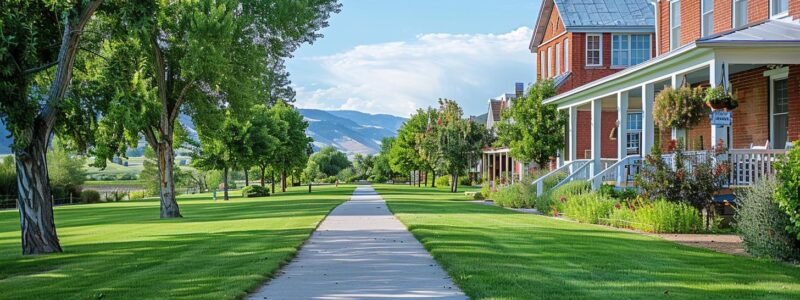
(102, 75)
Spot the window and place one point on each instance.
(549, 62)
(628, 50)
(558, 59)
(634, 132)
(566, 55)
(779, 122)
(778, 8)
(674, 24)
(542, 65)
(594, 50)
(739, 13)
(707, 9)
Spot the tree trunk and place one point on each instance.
(263, 173)
(246, 178)
(166, 162)
(35, 209)
(426, 178)
(433, 182)
(454, 183)
(419, 178)
(283, 181)
(225, 183)
(272, 180)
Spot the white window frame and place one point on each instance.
(549, 62)
(774, 15)
(630, 48)
(703, 14)
(566, 55)
(558, 59)
(674, 39)
(600, 50)
(734, 20)
(772, 78)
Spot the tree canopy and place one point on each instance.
(532, 130)
(330, 161)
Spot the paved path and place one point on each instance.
(361, 251)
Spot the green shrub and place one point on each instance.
(90, 196)
(443, 181)
(377, 178)
(553, 200)
(474, 196)
(251, 191)
(621, 217)
(135, 195)
(762, 224)
(115, 196)
(787, 193)
(329, 179)
(553, 180)
(486, 190)
(588, 208)
(662, 216)
(464, 180)
(517, 195)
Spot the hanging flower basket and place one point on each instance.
(719, 98)
(680, 108)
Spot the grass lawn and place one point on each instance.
(219, 250)
(494, 253)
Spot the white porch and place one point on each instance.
(628, 96)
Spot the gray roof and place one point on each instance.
(597, 16)
(606, 13)
(770, 32)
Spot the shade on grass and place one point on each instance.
(123, 250)
(495, 253)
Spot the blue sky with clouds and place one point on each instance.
(381, 56)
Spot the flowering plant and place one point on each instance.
(680, 108)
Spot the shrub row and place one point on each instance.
(658, 216)
(517, 195)
(762, 224)
(251, 191)
(553, 201)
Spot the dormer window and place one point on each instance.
(778, 8)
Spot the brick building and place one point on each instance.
(750, 47)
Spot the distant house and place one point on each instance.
(496, 163)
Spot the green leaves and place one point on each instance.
(533, 130)
(787, 195)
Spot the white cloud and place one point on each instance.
(399, 77)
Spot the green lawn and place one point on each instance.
(494, 253)
(219, 250)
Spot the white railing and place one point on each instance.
(750, 165)
(582, 172)
(617, 172)
(569, 168)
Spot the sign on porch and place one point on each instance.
(721, 118)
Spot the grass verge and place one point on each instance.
(495, 253)
(122, 250)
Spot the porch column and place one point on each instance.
(573, 133)
(716, 76)
(648, 124)
(597, 112)
(622, 137)
(678, 134)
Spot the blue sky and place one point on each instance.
(381, 56)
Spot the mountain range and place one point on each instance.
(349, 131)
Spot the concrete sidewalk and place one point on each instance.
(361, 251)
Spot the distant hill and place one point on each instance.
(350, 131)
(482, 118)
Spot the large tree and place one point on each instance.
(196, 56)
(460, 141)
(225, 145)
(330, 161)
(291, 153)
(532, 130)
(407, 153)
(38, 48)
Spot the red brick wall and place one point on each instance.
(608, 146)
(794, 99)
(723, 12)
(757, 10)
(555, 27)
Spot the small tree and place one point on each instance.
(292, 152)
(460, 141)
(532, 130)
(330, 161)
